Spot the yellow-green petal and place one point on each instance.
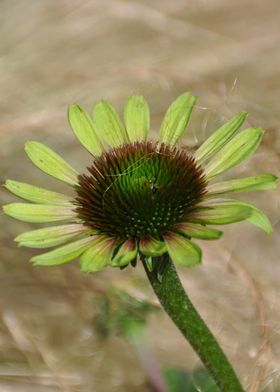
(177, 118)
(36, 194)
(246, 184)
(51, 236)
(219, 138)
(181, 250)
(194, 230)
(99, 255)
(149, 246)
(108, 124)
(50, 162)
(39, 213)
(63, 254)
(235, 151)
(84, 130)
(137, 118)
(256, 217)
(220, 213)
(126, 253)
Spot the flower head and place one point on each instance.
(138, 196)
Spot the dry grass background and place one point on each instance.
(57, 52)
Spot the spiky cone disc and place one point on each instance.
(139, 189)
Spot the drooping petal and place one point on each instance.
(219, 138)
(35, 194)
(64, 253)
(83, 128)
(108, 124)
(38, 213)
(181, 250)
(220, 213)
(50, 162)
(51, 236)
(149, 246)
(237, 150)
(137, 118)
(256, 217)
(247, 184)
(126, 253)
(194, 230)
(177, 118)
(99, 255)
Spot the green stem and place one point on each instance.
(178, 306)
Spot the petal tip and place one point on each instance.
(34, 260)
(5, 208)
(29, 144)
(17, 238)
(243, 114)
(72, 108)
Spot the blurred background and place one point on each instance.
(61, 330)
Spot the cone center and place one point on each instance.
(139, 189)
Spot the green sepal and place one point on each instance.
(149, 246)
(63, 254)
(35, 194)
(177, 118)
(137, 118)
(219, 138)
(109, 125)
(99, 255)
(234, 152)
(181, 250)
(38, 213)
(83, 128)
(194, 230)
(50, 162)
(149, 263)
(125, 254)
(247, 184)
(220, 213)
(51, 236)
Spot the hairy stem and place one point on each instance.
(172, 296)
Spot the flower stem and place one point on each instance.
(172, 296)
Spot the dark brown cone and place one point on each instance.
(139, 189)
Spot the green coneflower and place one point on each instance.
(138, 196)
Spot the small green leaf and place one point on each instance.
(35, 194)
(194, 230)
(177, 118)
(63, 254)
(39, 213)
(137, 118)
(151, 247)
(99, 255)
(237, 150)
(220, 213)
(109, 125)
(50, 236)
(50, 162)
(247, 184)
(83, 128)
(126, 253)
(219, 138)
(181, 250)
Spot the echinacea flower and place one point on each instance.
(138, 197)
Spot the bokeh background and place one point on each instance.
(56, 329)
